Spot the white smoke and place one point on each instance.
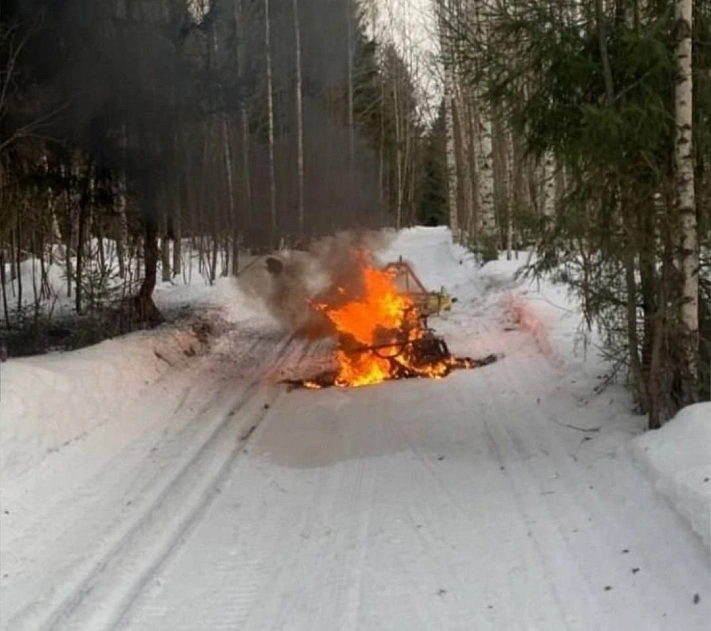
(329, 271)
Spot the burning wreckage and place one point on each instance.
(381, 327)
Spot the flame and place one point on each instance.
(376, 329)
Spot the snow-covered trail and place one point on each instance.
(226, 502)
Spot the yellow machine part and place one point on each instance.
(428, 302)
(433, 303)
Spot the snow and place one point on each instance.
(678, 456)
(198, 492)
(52, 400)
(192, 286)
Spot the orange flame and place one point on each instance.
(375, 330)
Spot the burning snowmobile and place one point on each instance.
(382, 332)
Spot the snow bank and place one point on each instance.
(678, 456)
(50, 400)
(54, 399)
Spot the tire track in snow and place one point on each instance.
(101, 595)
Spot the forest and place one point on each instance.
(238, 125)
(582, 129)
(136, 135)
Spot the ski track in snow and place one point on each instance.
(224, 501)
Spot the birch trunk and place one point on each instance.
(471, 183)
(685, 203)
(485, 159)
(451, 160)
(485, 155)
(549, 185)
(398, 152)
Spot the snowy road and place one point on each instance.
(219, 500)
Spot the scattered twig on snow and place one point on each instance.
(580, 429)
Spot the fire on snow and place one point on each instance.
(382, 335)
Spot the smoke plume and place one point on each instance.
(328, 272)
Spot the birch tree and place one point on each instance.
(596, 128)
(485, 149)
(451, 159)
(684, 191)
(548, 178)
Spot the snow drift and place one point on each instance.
(678, 457)
(52, 400)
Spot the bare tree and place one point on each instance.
(270, 115)
(300, 119)
(239, 17)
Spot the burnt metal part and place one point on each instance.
(328, 378)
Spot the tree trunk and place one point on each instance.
(685, 204)
(398, 152)
(145, 309)
(244, 125)
(381, 149)
(549, 186)
(451, 159)
(233, 221)
(3, 281)
(509, 194)
(177, 238)
(83, 220)
(18, 261)
(636, 372)
(121, 204)
(213, 257)
(604, 56)
(351, 122)
(122, 227)
(485, 157)
(164, 248)
(69, 232)
(485, 181)
(648, 286)
(270, 115)
(463, 166)
(299, 122)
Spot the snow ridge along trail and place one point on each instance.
(499, 498)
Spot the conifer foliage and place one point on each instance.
(615, 96)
